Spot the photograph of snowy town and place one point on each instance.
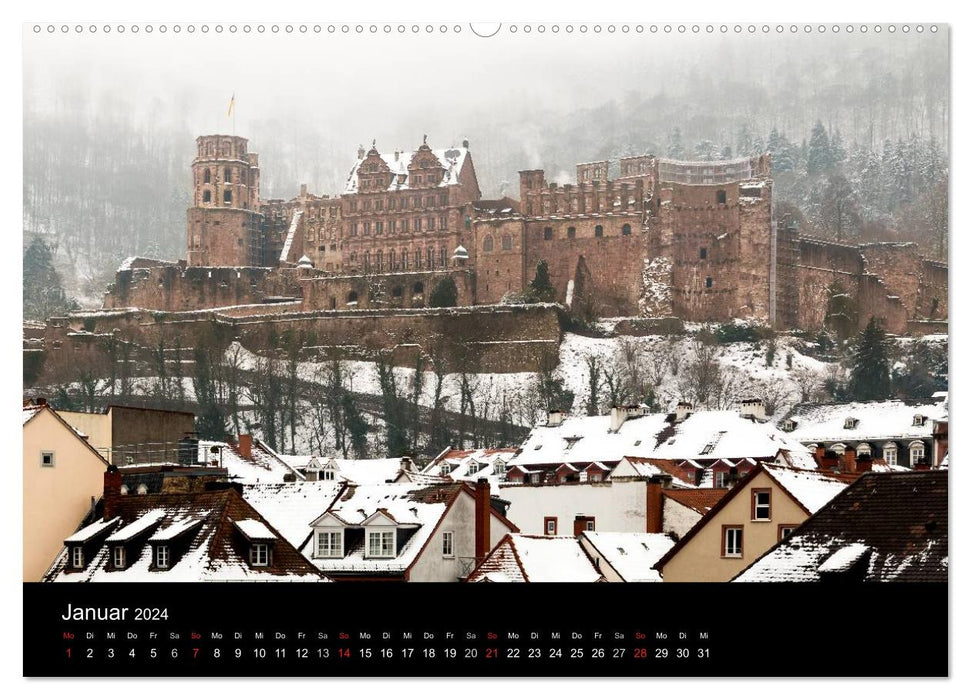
(541, 307)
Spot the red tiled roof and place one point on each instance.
(698, 500)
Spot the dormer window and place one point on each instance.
(789, 425)
(328, 474)
(77, 557)
(380, 544)
(118, 556)
(162, 560)
(850, 423)
(916, 452)
(890, 453)
(259, 554)
(918, 420)
(330, 544)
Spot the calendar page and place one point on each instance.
(327, 324)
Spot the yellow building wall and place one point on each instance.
(701, 559)
(97, 426)
(56, 498)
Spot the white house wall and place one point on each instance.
(678, 518)
(617, 506)
(460, 519)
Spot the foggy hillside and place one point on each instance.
(862, 121)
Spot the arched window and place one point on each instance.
(598, 231)
(404, 260)
(720, 197)
(890, 453)
(206, 177)
(227, 197)
(391, 260)
(916, 452)
(839, 448)
(507, 242)
(863, 448)
(625, 229)
(487, 244)
(441, 257)
(397, 292)
(352, 297)
(548, 233)
(571, 232)
(418, 288)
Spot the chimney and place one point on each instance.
(112, 491)
(655, 503)
(482, 517)
(245, 446)
(752, 408)
(554, 418)
(864, 463)
(40, 401)
(820, 453)
(406, 463)
(682, 411)
(849, 460)
(618, 414)
(579, 524)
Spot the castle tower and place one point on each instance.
(224, 224)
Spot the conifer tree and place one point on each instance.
(870, 373)
(444, 293)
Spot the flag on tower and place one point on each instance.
(232, 103)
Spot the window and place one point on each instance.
(721, 479)
(118, 556)
(507, 242)
(380, 543)
(786, 530)
(761, 504)
(720, 197)
(47, 459)
(890, 454)
(863, 449)
(448, 542)
(487, 244)
(548, 233)
(916, 452)
(77, 557)
(227, 197)
(330, 544)
(625, 229)
(259, 554)
(838, 448)
(227, 175)
(703, 253)
(351, 297)
(379, 227)
(206, 177)
(571, 232)
(850, 423)
(598, 231)
(708, 282)
(162, 556)
(732, 541)
(549, 526)
(591, 524)
(206, 196)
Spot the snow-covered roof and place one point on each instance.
(811, 488)
(706, 435)
(291, 507)
(368, 471)
(631, 554)
(452, 159)
(30, 412)
(884, 527)
(254, 529)
(537, 559)
(471, 465)
(872, 420)
(264, 465)
(91, 531)
(415, 509)
(210, 551)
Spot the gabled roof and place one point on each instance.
(208, 525)
(809, 489)
(292, 507)
(884, 527)
(31, 412)
(631, 554)
(536, 559)
(264, 465)
(452, 160)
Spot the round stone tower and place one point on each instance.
(224, 174)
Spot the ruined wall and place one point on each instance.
(909, 276)
(400, 290)
(613, 258)
(482, 339)
(224, 237)
(498, 254)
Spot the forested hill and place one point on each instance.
(856, 127)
